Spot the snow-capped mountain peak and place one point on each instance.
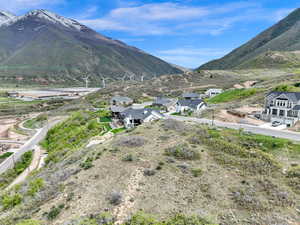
(6, 16)
(54, 18)
(44, 15)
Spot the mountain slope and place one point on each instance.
(283, 36)
(44, 45)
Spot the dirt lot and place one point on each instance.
(225, 116)
(7, 129)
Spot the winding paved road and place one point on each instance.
(293, 136)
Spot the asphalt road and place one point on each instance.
(293, 136)
(29, 145)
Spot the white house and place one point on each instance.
(135, 117)
(194, 105)
(213, 92)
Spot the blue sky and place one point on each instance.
(185, 32)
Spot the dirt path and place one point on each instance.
(121, 211)
(34, 165)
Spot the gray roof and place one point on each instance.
(139, 114)
(190, 95)
(164, 101)
(117, 109)
(190, 103)
(294, 96)
(121, 99)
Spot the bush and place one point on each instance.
(131, 141)
(87, 164)
(149, 172)
(197, 172)
(183, 152)
(175, 125)
(128, 158)
(35, 186)
(10, 201)
(115, 198)
(55, 211)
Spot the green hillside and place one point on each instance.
(282, 37)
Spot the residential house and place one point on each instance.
(193, 105)
(190, 96)
(135, 117)
(116, 111)
(283, 107)
(213, 92)
(166, 104)
(121, 100)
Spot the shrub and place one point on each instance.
(128, 158)
(55, 211)
(183, 152)
(197, 172)
(35, 186)
(87, 164)
(115, 198)
(149, 172)
(175, 125)
(131, 141)
(10, 201)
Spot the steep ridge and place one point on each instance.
(283, 36)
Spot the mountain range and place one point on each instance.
(276, 47)
(42, 46)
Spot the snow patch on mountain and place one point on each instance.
(6, 16)
(48, 16)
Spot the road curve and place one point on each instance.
(293, 136)
(29, 145)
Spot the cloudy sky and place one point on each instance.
(185, 32)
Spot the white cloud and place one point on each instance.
(175, 18)
(21, 5)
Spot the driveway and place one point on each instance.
(294, 136)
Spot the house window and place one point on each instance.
(281, 113)
(274, 112)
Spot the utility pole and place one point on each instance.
(213, 117)
(86, 79)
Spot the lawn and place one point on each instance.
(232, 95)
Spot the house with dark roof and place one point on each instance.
(193, 105)
(135, 117)
(190, 96)
(121, 100)
(282, 107)
(166, 104)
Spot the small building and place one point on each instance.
(121, 100)
(282, 107)
(213, 92)
(193, 105)
(166, 104)
(190, 96)
(135, 117)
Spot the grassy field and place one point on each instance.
(232, 95)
